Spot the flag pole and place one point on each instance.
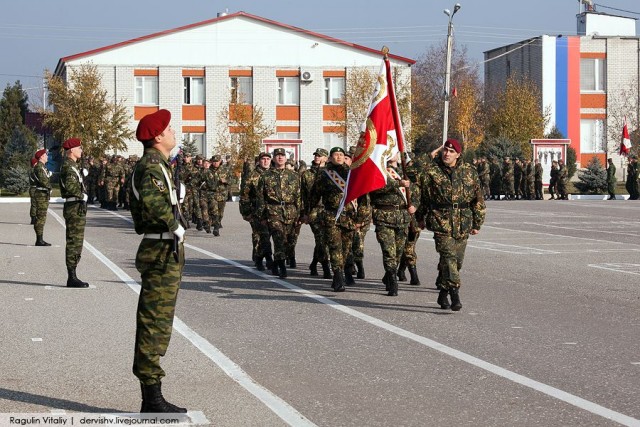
(396, 120)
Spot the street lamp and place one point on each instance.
(447, 72)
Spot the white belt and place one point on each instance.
(159, 236)
(73, 199)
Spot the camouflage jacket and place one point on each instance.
(187, 175)
(208, 182)
(279, 196)
(249, 193)
(221, 175)
(151, 207)
(563, 174)
(71, 180)
(507, 172)
(531, 176)
(452, 200)
(112, 172)
(389, 206)
(611, 173)
(39, 177)
(537, 172)
(328, 194)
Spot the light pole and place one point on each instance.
(447, 72)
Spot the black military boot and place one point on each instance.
(413, 272)
(268, 261)
(385, 280)
(292, 262)
(207, 227)
(216, 230)
(338, 281)
(360, 274)
(33, 220)
(313, 267)
(199, 225)
(348, 276)
(259, 264)
(402, 277)
(274, 268)
(326, 270)
(73, 281)
(153, 402)
(283, 269)
(456, 305)
(393, 285)
(40, 241)
(443, 299)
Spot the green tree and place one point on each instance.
(190, 147)
(17, 179)
(572, 162)
(21, 147)
(81, 109)
(500, 147)
(515, 112)
(555, 133)
(593, 179)
(13, 108)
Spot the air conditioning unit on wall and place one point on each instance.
(306, 76)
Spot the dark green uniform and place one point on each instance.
(248, 210)
(40, 187)
(313, 213)
(563, 180)
(508, 179)
(538, 181)
(74, 211)
(611, 180)
(151, 210)
(632, 179)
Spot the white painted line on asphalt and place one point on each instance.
(556, 235)
(28, 299)
(580, 229)
(635, 363)
(570, 343)
(516, 327)
(618, 268)
(36, 339)
(16, 256)
(472, 360)
(278, 406)
(20, 272)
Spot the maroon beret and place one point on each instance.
(39, 154)
(453, 143)
(153, 125)
(34, 161)
(71, 143)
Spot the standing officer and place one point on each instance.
(160, 258)
(553, 181)
(75, 208)
(278, 206)
(39, 182)
(563, 180)
(452, 207)
(507, 179)
(611, 179)
(632, 178)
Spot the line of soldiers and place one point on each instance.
(207, 183)
(108, 180)
(518, 180)
(276, 199)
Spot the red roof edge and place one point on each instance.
(222, 18)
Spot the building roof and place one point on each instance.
(302, 31)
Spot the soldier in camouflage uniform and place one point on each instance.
(112, 177)
(313, 214)
(91, 182)
(221, 175)
(611, 179)
(632, 178)
(291, 256)
(563, 180)
(328, 189)
(452, 208)
(75, 209)
(507, 179)
(530, 180)
(32, 190)
(484, 173)
(391, 215)
(496, 179)
(248, 198)
(538, 180)
(279, 204)
(160, 259)
(518, 179)
(409, 257)
(208, 202)
(191, 203)
(39, 182)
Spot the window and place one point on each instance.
(288, 135)
(332, 139)
(592, 136)
(193, 91)
(242, 90)
(288, 90)
(199, 140)
(333, 90)
(146, 90)
(592, 75)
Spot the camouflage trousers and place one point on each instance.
(221, 205)
(92, 190)
(209, 209)
(112, 188)
(40, 204)
(392, 241)
(282, 236)
(409, 257)
(32, 209)
(294, 241)
(260, 239)
(358, 242)
(320, 252)
(339, 242)
(161, 275)
(75, 218)
(451, 253)
(191, 206)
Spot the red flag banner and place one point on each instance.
(379, 141)
(625, 145)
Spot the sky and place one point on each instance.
(35, 34)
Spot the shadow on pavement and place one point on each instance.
(52, 402)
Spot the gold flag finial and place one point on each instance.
(385, 50)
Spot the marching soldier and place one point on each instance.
(391, 216)
(160, 256)
(279, 204)
(328, 189)
(248, 210)
(75, 209)
(452, 208)
(221, 175)
(208, 203)
(409, 256)
(39, 182)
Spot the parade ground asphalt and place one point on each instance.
(548, 334)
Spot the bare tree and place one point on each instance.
(623, 104)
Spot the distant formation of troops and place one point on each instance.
(520, 179)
